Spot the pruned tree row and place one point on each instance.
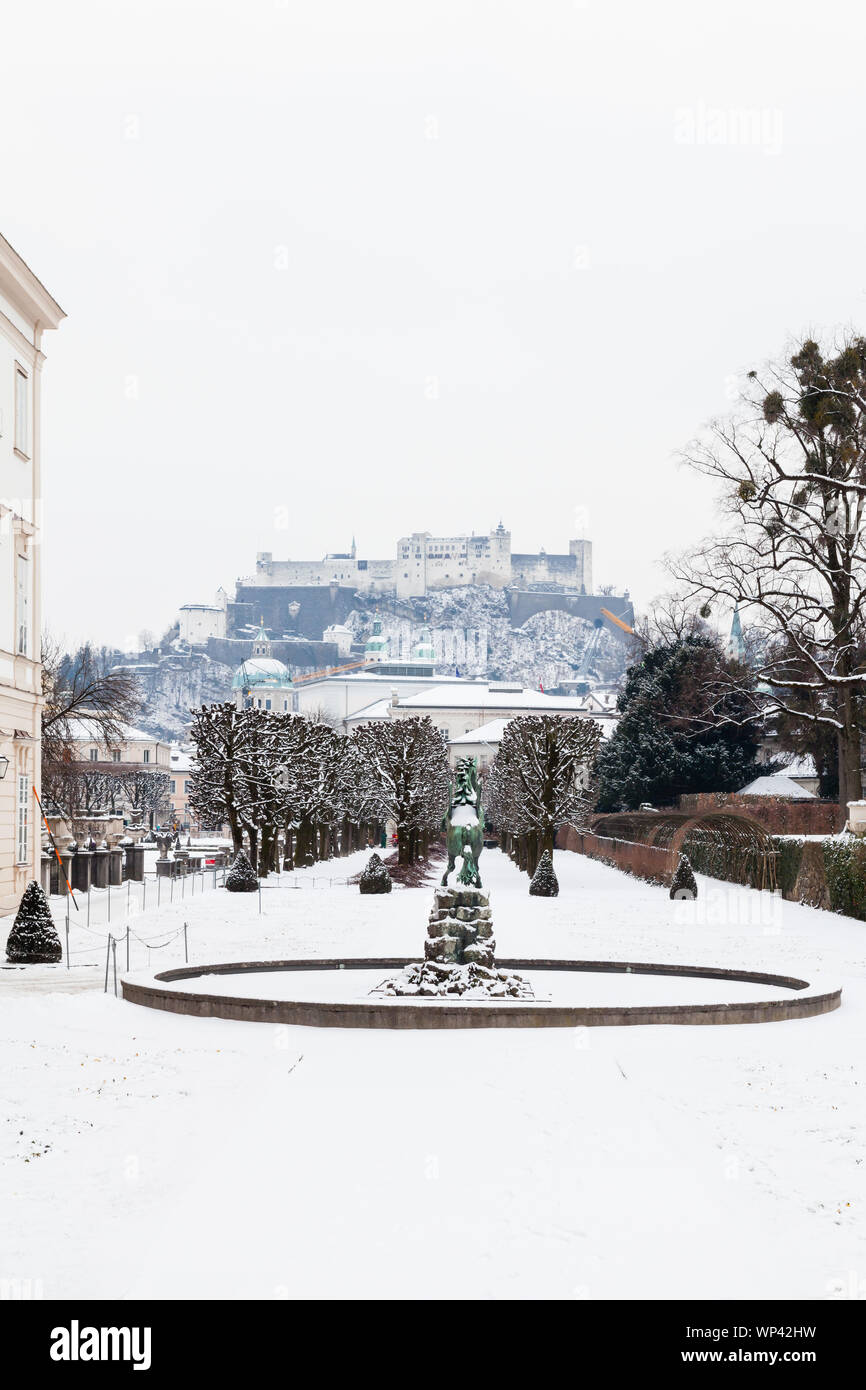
(286, 780)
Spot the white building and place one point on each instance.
(199, 621)
(463, 707)
(26, 311)
(341, 697)
(483, 743)
(447, 562)
(367, 575)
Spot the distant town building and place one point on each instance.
(376, 646)
(180, 773)
(134, 746)
(463, 707)
(26, 311)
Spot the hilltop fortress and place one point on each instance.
(424, 563)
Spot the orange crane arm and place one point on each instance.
(619, 622)
(330, 671)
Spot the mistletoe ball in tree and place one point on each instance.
(240, 877)
(33, 939)
(544, 883)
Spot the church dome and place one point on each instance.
(260, 670)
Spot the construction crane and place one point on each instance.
(332, 671)
(619, 622)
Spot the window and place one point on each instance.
(173, 786)
(145, 757)
(23, 828)
(22, 411)
(94, 754)
(115, 756)
(185, 787)
(22, 644)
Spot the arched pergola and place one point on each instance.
(724, 844)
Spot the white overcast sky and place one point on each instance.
(349, 266)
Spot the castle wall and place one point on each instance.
(319, 606)
(366, 575)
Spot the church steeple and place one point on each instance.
(261, 643)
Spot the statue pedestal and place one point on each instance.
(460, 928)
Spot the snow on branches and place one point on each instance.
(407, 763)
(540, 777)
(283, 777)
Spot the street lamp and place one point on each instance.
(4, 767)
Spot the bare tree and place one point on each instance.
(792, 469)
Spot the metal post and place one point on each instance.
(260, 898)
(114, 963)
(109, 894)
(185, 945)
(88, 904)
(171, 889)
(143, 894)
(107, 958)
(67, 940)
(127, 946)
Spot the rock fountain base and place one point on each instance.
(459, 953)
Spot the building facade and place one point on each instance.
(366, 575)
(27, 310)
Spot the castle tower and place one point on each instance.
(582, 551)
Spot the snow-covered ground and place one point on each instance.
(148, 1154)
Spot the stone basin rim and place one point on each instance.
(439, 1012)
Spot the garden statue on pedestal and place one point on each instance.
(463, 824)
(459, 950)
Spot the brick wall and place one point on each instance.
(778, 814)
(645, 861)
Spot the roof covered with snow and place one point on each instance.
(481, 695)
(777, 785)
(260, 670)
(84, 732)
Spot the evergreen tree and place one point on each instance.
(544, 883)
(680, 729)
(375, 878)
(683, 883)
(33, 939)
(240, 877)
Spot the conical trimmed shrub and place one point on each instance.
(240, 877)
(33, 939)
(544, 883)
(683, 884)
(375, 878)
